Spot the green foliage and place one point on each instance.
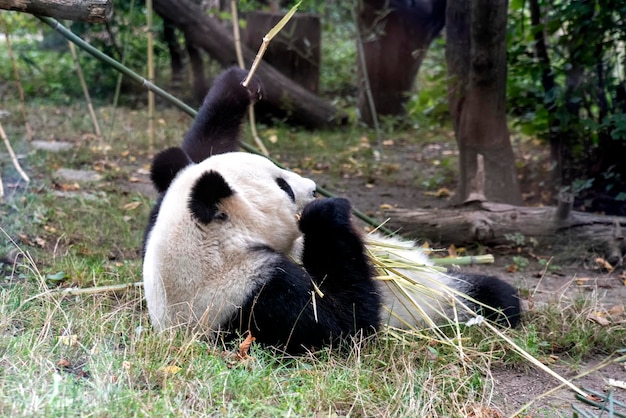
(428, 103)
(46, 66)
(578, 98)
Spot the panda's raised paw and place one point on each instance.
(254, 87)
(324, 213)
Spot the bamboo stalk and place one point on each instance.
(464, 261)
(74, 291)
(81, 77)
(237, 38)
(120, 75)
(18, 79)
(16, 163)
(151, 79)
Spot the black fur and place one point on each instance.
(206, 195)
(495, 293)
(281, 311)
(282, 183)
(166, 165)
(216, 127)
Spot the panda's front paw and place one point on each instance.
(255, 89)
(324, 213)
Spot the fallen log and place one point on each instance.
(500, 224)
(93, 11)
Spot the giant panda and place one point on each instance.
(235, 244)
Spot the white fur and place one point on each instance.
(190, 267)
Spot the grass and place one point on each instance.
(96, 355)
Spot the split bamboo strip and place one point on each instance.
(150, 79)
(251, 118)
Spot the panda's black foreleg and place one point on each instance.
(215, 129)
(288, 311)
(334, 255)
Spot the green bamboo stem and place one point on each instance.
(150, 78)
(237, 38)
(465, 260)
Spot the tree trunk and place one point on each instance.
(477, 94)
(498, 224)
(93, 11)
(395, 37)
(281, 93)
(176, 54)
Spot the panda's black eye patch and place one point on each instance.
(286, 187)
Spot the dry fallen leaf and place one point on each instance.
(241, 357)
(582, 281)
(63, 363)
(69, 340)
(603, 264)
(599, 318)
(131, 205)
(617, 310)
(170, 370)
(443, 192)
(244, 347)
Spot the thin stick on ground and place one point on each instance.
(18, 80)
(16, 163)
(73, 291)
(237, 38)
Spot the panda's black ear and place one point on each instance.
(206, 194)
(166, 165)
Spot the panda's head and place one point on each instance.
(231, 200)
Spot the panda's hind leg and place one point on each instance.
(493, 292)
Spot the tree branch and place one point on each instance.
(93, 11)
